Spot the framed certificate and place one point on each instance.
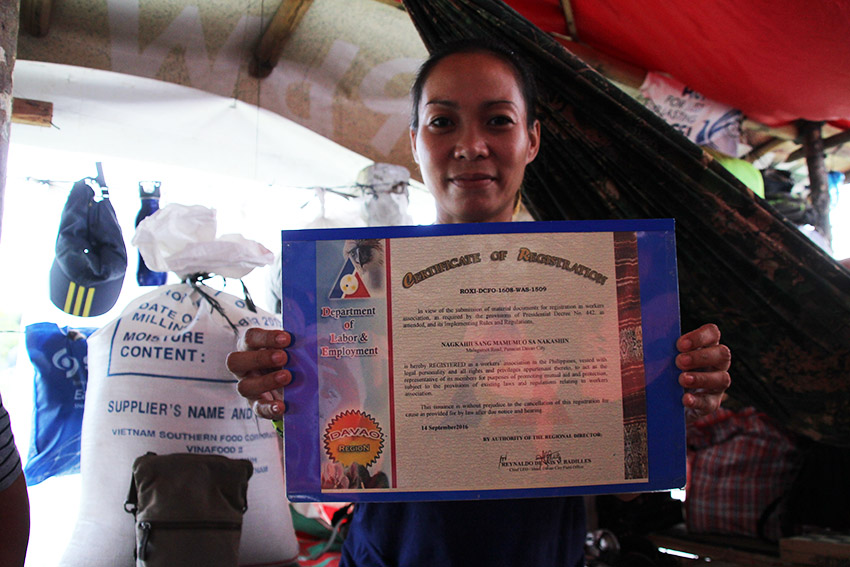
(492, 360)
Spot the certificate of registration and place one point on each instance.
(477, 361)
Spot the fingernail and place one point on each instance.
(284, 377)
(278, 357)
(687, 344)
(688, 380)
(283, 339)
(285, 406)
(686, 359)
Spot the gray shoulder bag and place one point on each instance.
(188, 509)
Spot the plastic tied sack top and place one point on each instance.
(182, 239)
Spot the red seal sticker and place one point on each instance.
(354, 437)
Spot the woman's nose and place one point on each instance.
(471, 144)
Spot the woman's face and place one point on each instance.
(473, 142)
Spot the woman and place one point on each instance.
(473, 131)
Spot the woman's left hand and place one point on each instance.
(704, 363)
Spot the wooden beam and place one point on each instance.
(35, 16)
(270, 48)
(32, 112)
(763, 148)
(567, 8)
(831, 142)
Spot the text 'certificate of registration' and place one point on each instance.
(482, 361)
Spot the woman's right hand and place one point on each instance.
(259, 366)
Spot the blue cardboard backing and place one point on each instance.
(661, 328)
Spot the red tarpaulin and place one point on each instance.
(776, 61)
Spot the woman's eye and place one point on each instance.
(501, 120)
(439, 122)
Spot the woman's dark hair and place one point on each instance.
(522, 72)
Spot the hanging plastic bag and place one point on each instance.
(58, 356)
(182, 239)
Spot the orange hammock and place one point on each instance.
(782, 304)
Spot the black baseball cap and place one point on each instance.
(91, 258)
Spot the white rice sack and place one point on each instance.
(158, 382)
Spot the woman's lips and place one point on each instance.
(472, 180)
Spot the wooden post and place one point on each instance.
(810, 132)
(9, 16)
